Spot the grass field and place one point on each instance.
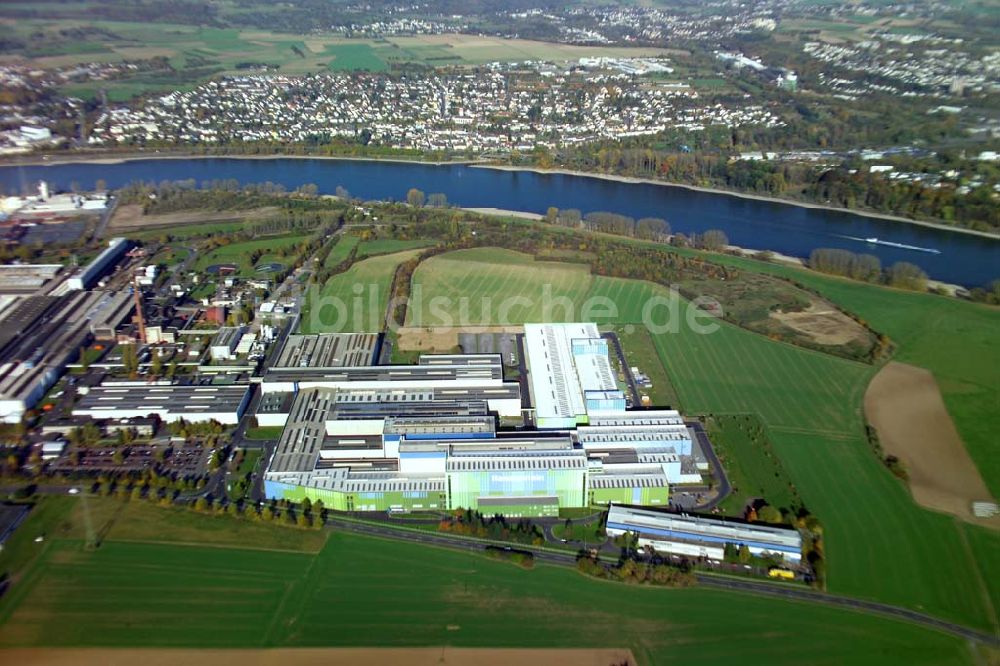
(879, 543)
(389, 245)
(752, 466)
(238, 253)
(364, 591)
(348, 57)
(340, 251)
(185, 232)
(264, 432)
(640, 353)
(477, 286)
(355, 300)
(955, 340)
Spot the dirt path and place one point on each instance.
(314, 657)
(904, 405)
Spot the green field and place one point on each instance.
(239, 253)
(389, 245)
(360, 591)
(879, 543)
(264, 432)
(187, 231)
(476, 286)
(341, 250)
(640, 353)
(752, 467)
(348, 57)
(355, 300)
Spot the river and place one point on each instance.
(963, 259)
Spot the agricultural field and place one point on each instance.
(361, 591)
(389, 245)
(477, 286)
(879, 543)
(355, 300)
(351, 57)
(239, 253)
(197, 53)
(752, 466)
(955, 340)
(811, 405)
(341, 250)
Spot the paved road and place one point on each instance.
(720, 473)
(706, 580)
(109, 211)
(626, 368)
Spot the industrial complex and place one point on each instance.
(549, 424)
(429, 436)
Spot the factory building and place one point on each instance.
(102, 263)
(569, 374)
(335, 350)
(426, 436)
(26, 278)
(700, 536)
(435, 378)
(225, 342)
(170, 402)
(39, 336)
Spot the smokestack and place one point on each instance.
(138, 309)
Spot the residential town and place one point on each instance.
(499, 108)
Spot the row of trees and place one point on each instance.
(868, 268)
(633, 571)
(473, 523)
(417, 199)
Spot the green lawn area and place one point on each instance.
(479, 286)
(578, 531)
(390, 245)
(361, 591)
(264, 432)
(752, 466)
(341, 249)
(355, 300)
(354, 57)
(239, 253)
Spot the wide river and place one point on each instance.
(794, 230)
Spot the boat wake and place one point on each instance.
(902, 246)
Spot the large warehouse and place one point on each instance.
(170, 402)
(570, 374)
(700, 536)
(427, 436)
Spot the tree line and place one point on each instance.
(868, 268)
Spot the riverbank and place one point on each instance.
(107, 158)
(944, 288)
(503, 212)
(742, 195)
